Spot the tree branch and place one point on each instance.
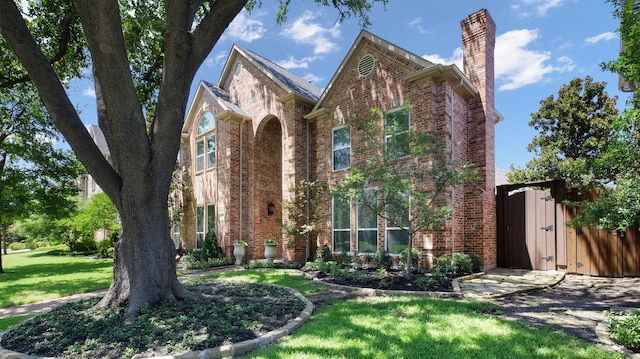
(54, 97)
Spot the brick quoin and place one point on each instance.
(274, 130)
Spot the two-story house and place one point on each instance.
(250, 138)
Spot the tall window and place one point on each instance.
(199, 226)
(341, 225)
(397, 223)
(367, 224)
(211, 217)
(396, 131)
(206, 142)
(341, 145)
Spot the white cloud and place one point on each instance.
(312, 78)
(89, 91)
(517, 66)
(293, 63)
(456, 58)
(304, 31)
(244, 28)
(216, 59)
(605, 36)
(417, 24)
(529, 8)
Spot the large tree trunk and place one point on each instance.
(143, 158)
(144, 259)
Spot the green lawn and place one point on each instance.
(411, 327)
(392, 327)
(35, 276)
(271, 276)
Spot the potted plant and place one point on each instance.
(269, 249)
(238, 250)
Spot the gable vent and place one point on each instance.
(366, 64)
(237, 67)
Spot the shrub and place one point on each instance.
(382, 259)
(415, 258)
(425, 283)
(452, 266)
(476, 261)
(324, 253)
(16, 246)
(209, 246)
(624, 328)
(190, 262)
(344, 257)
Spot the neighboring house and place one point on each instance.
(86, 183)
(247, 140)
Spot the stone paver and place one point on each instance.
(502, 282)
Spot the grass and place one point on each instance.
(400, 327)
(40, 275)
(409, 327)
(289, 279)
(6, 323)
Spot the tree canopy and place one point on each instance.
(143, 57)
(576, 129)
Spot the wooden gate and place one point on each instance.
(528, 231)
(526, 240)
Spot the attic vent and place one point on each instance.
(236, 68)
(366, 64)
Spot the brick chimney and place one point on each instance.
(478, 42)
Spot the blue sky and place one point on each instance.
(540, 45)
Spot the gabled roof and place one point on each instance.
(286, 79)
(221, 96)
(367, 36)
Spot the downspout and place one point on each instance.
(240, 189)
(453, 187)
(308, 239)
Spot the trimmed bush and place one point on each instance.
(324, 253)
(415, 259)
(16, 246)
(452, 266)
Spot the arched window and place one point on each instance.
(206, 142)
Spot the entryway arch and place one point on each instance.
(267, 207)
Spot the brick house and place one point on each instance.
(249, 139)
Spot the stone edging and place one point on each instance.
(371, 292)
(224, 351)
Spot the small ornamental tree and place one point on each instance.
(403, 177)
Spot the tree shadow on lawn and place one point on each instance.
(422, 328)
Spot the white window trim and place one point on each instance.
(204, 137)
(358, 228)
(395, 134)
(334, 230)
(334, 149)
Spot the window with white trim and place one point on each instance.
(206, 143)
(341, 147)
(397, 225)
(199, 226)
(396, 132)
(367, 224)
(341, 231)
